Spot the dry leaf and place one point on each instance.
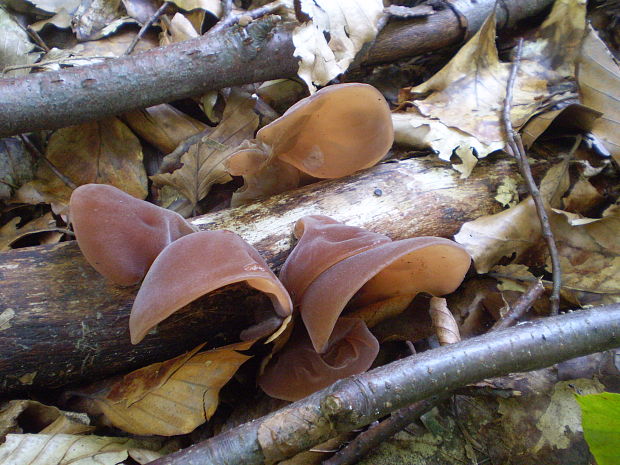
(16, 166)
(93, 20)
(203, 162)
(589, 257)
(418, 131)
(468, 93)
(40, 418)
(56, 6)
(68, 449)
(15, 46)
(103, 151)
(599, 85)
(515, 231)
(444, 324)
(163, 126)
(10, 233)
(349, 24)
(172, 397)
(178, 29)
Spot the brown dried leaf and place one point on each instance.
(10, 233)
(16, 166)
(68, 449)
(599, 85)
(103, 151)
(515, 230)
(177, 29)
(163, 126)
(203, 162)
(444, 324)
(15, 46)
(172, 397)
(40, 418)
(468, 93)
(589, 257)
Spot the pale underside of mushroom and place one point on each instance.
(196, 265)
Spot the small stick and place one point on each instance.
(521, 306)
(369, 439)
(37, 38)
(37, 153)
(145, 27)
(516, 146)
(249, 15)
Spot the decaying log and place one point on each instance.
(60, 322)
(261, 51)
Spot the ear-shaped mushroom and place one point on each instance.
(194, 266)
(335, 132)
(323, 242)
(378, 272)
(339, 130)
(298, 370)
(120, 235)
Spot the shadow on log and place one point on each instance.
(61, 322)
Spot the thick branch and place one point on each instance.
(261, 51)
(56, 307)
(359, 400)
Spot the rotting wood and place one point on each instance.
(261, 51)
(60, 322)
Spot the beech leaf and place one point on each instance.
(69, 449)
(103, 151)
(203, 162)
(172, 397)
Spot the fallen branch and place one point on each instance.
(56, 307)
(359, 400)
(260, 51)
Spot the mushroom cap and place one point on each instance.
(323, 242)
(339, 130)
(298, 370)
(120, 235)
(406, 267)
(194, 266)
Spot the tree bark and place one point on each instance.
(261, 51)
(357, 401)
(60, 322)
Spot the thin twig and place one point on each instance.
(145, 27)
(369, 439)
(249, 15)
(37, 38)
(37, 153)
(521, 306)
(516, 146)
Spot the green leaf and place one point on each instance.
(600, 418)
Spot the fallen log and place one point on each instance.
(61, 322)
(259, 52)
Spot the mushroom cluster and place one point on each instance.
(333, 274)
(336, 268)
(127, 239)
(335, 132)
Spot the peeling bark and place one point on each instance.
(56, 308)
